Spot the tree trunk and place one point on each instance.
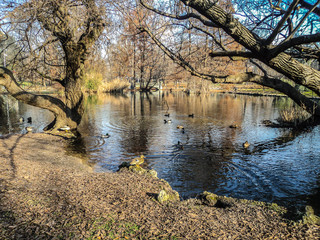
(64, 114)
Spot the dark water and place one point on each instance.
(281, 165)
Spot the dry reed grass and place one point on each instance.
(115, 85)
(293, 116)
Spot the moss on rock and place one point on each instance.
(168, 196)
(138, 169)
(309, 217)
(208, 198)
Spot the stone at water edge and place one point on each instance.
(310, 217)
(208, 198)
(170, 196)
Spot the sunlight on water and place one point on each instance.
(280, 165)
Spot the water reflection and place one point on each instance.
(11, 111)
(280, 165)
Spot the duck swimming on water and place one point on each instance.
(180, 145)
(29, 129)
(107, 135)
(246, 144)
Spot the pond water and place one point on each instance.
(280, 165)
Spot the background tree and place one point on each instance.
(145, 61)
(54, 38)
(280, 34)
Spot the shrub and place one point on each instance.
(92, 80)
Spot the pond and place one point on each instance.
(280, 165)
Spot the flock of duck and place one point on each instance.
(29, 120)
(245, 145)
(139, 160)
(30, 129)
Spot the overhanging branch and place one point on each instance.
(61, 81)
(232, 54)
(276, 84)
(306, 39)
(55, 105)
(179, 17)
(276, 31)
(178, 58)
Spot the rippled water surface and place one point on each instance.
(281, 165)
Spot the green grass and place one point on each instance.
(108, 228)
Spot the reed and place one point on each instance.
(115, 85)
(293, 115)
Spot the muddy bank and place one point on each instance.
(47, 194)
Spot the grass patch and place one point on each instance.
(109, 228)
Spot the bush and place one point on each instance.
(92, 80)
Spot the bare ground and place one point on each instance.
(48, 194)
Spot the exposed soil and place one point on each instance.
(48, 194)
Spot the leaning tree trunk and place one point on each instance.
(68, 112)
(62, 114)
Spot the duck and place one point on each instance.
(167, 121)
(107, 135)
(21, 120)
(234, 125)
(267, 122)
(246, 144)
(137, 161)
(29, 119)
(180, 127)
(167, 115)
(65, 128)
(180, 145)
(191, 115)
(29, 129)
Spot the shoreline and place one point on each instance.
(47, 193)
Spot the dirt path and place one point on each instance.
(47, 194)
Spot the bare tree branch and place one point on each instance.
(276, 84)
(281, 22)
(178, 59)
(232, 54)
(307, 5)
(305, 39)
(302, 21)
(179, 17)
(54, 105)
(61, 81)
